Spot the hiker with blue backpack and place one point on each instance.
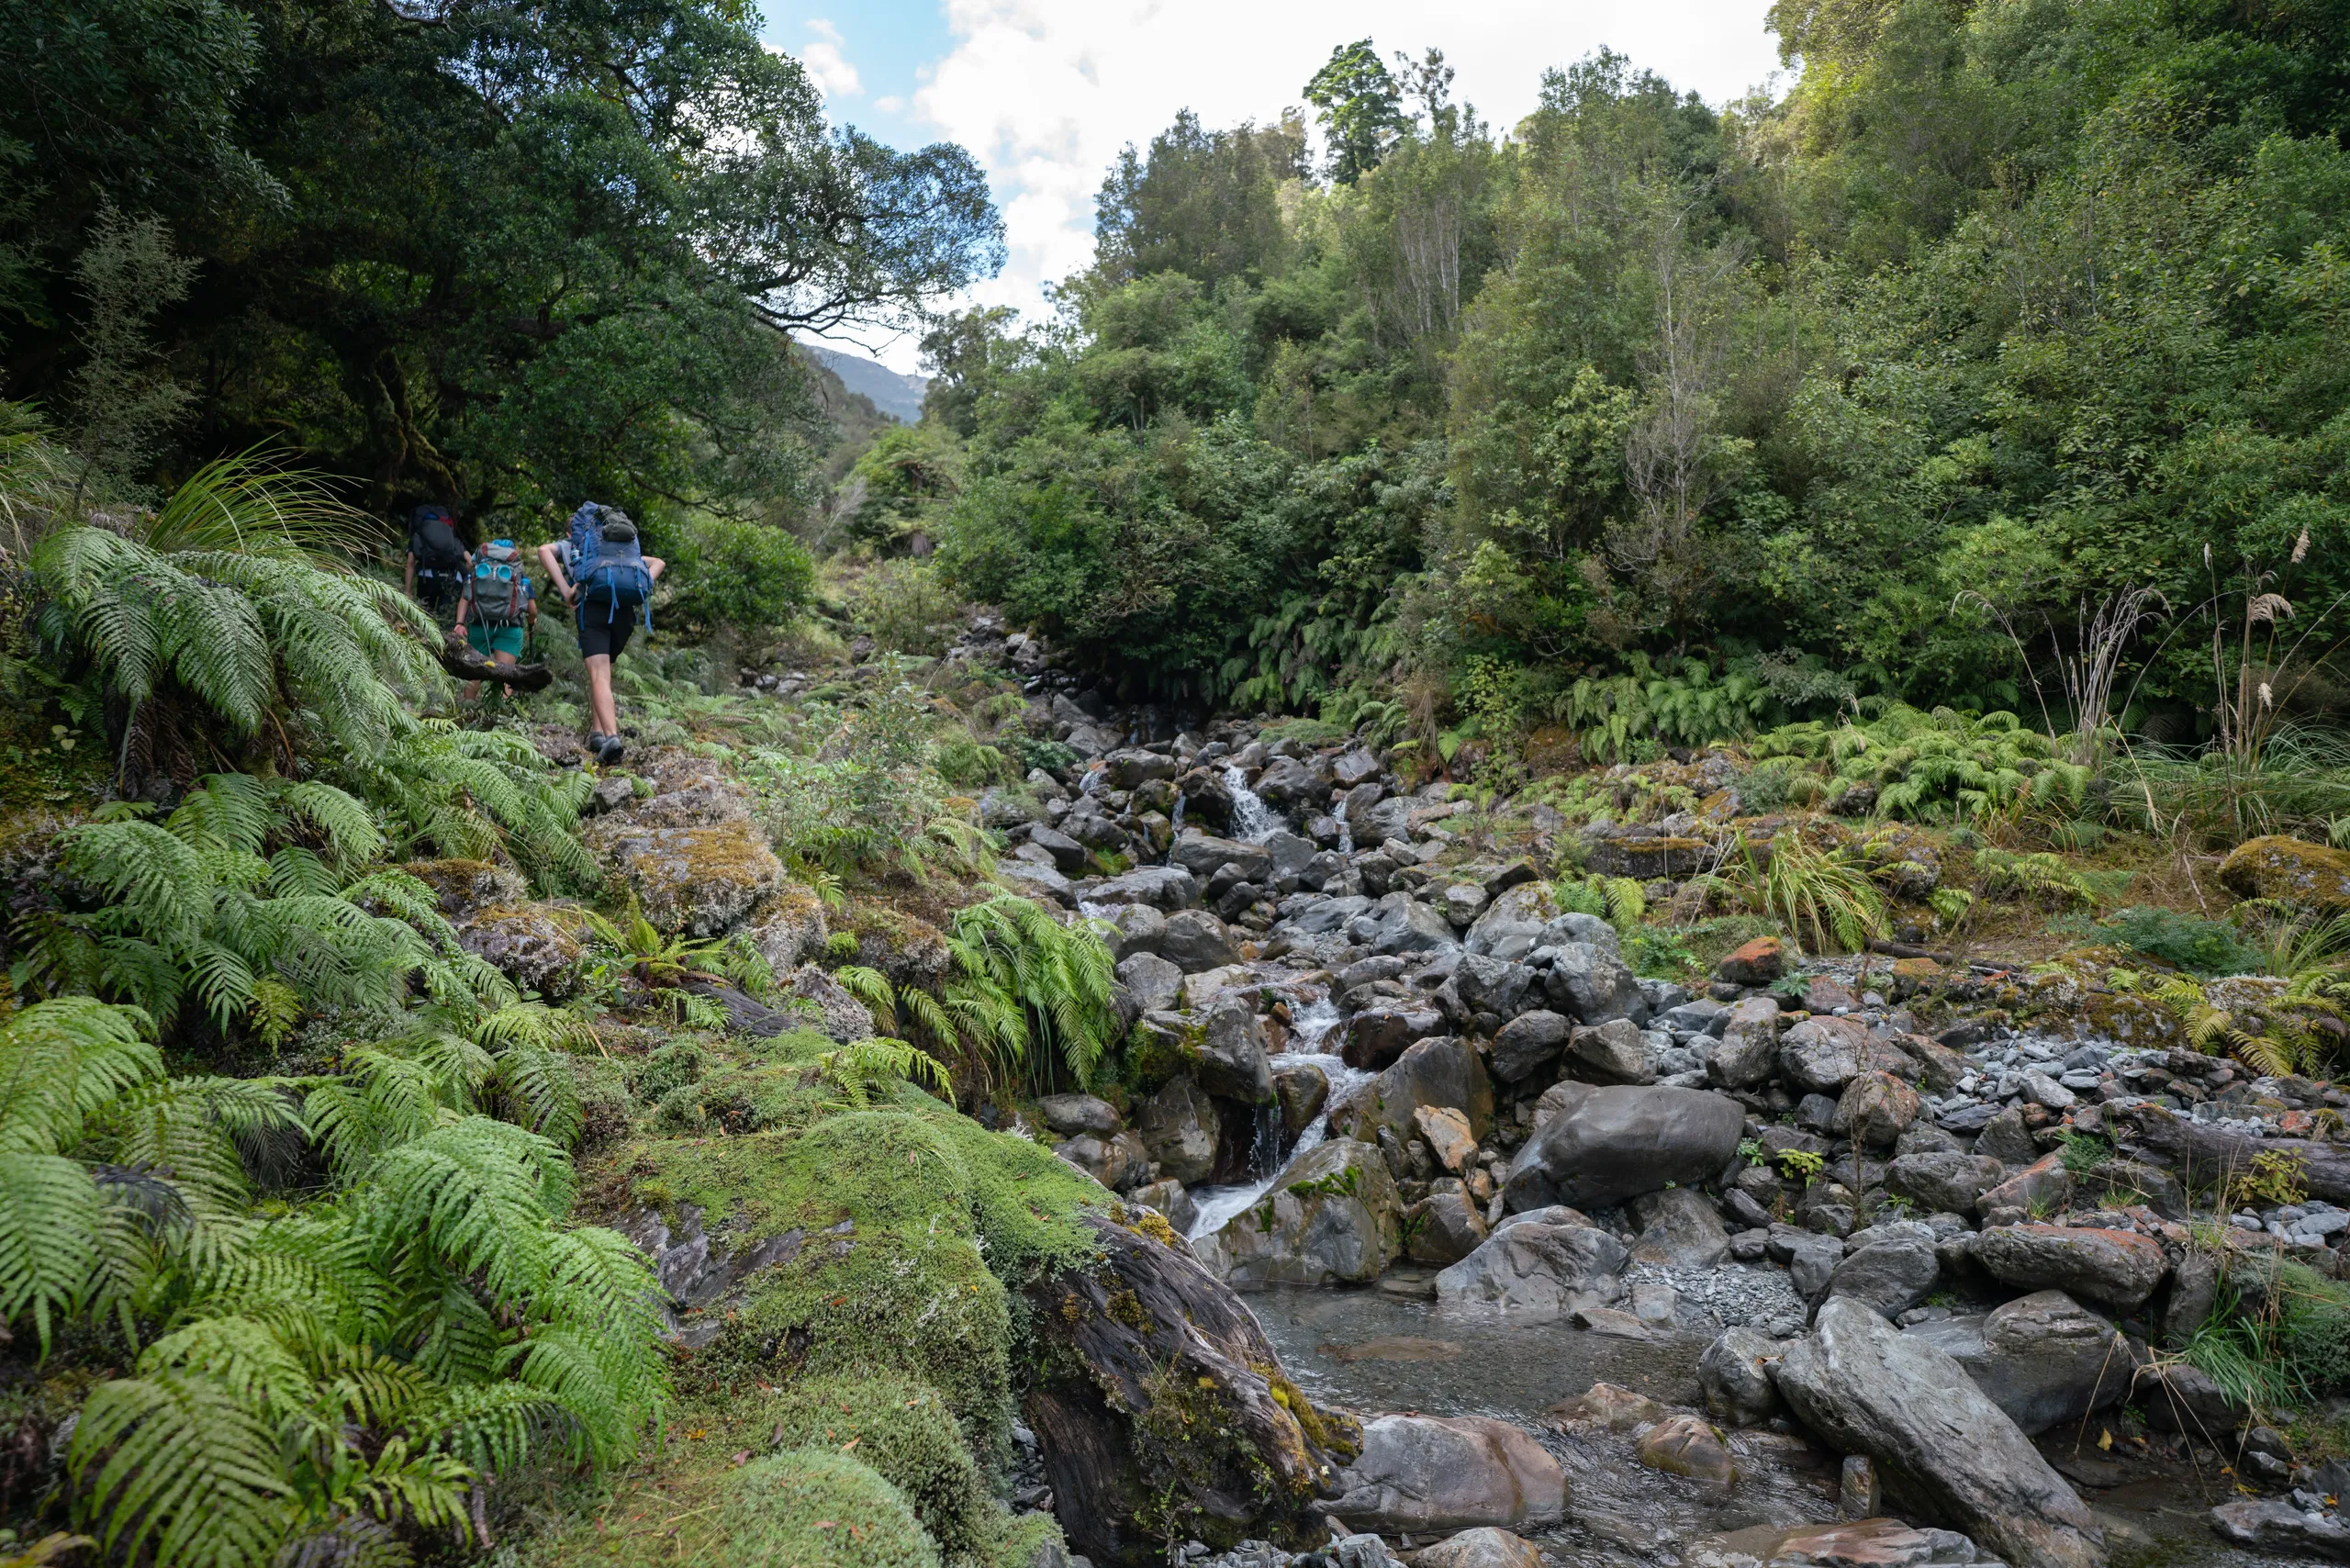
(498, 609)
(606, 578)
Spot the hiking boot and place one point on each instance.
(596, 740)
(614, 748)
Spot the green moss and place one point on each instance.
(905, 1432)
(675, 1065)
(809, 1509)
(1023, 1538)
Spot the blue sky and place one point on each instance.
(1045, 91)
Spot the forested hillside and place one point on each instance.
(2001, 310)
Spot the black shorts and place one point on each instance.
(597, 636)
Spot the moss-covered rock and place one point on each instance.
(903, 1431)
(2290, 870)
(536, 946)
(700, 880)
(815, 1508)
(867, 1231)
(790, 930)
(1161, 1410)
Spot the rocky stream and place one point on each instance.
(1874, 1261)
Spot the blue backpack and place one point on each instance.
(609, 565)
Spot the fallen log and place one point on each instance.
(461, 659)
(2200, 1154)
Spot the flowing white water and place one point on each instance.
(1253, 822)
(1215, 1206)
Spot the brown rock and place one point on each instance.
(1759, 962)
(1877, 1109)
(2118, 1268)
(1688, 1445)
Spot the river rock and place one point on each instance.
(2180, 1398)
(1512, 926)
(1154, 983)
(1688, 1445)
(1139, 1350)
(1430, 1475)
(1735, 1374)
(1287, 784)
(1680, 1228)
(1204, 855)
(1868, 1389)
(1490, 985)
(1406, 925)
(1302, 1091)
(1377, 1035)
(1749, 1047)
(2118, 1268)
(1446, 1132)
(1820, 1055)
(1071, 1114)
(1943, 1182)
(1195, 940)
(2275, 1526)
(1181, 1127)
(1607, 1144)
(2044, 1359)
(1170, 1198)
(1876, 1109)
(1131, 928)
(1542, 1269)
(1442, 1072)
(1232, 1060)
(1611, 1053)
(1529, 1042)
(1333, 1218)
(1486, 1546)
(1594, 985)
(1444, 1226)
(2044, 1186)
(1164, 888)
(1758, 963)
(1890, 1276)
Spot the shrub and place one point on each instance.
(2184, 941)
(1942, 763)
(906, 608)
(723, 572)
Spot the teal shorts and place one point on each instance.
(504, 639)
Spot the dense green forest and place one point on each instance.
(1661, 420)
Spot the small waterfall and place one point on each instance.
(1174, 830)
(1217, 1205)
(1253, 822)
(1346, 834)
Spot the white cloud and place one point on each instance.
(1045, 91)
(826, 65)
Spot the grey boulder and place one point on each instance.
(1607, 1144)
(1195, 941)
(1527, 1043)
(2044, 1359)
(1334, 1218)
(1430, 1475)
(1232, 1060)
(1866, 1388)
(1156, 983)
(1888, 1277)
(1593, 984)
(1543, 1266)
(2118, 1268)
(1946, 1183)
(1734, 1373)
(1180, 1127)
(1680, 1228)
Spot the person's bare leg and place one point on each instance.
(601, 709)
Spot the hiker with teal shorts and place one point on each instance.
(498, 609)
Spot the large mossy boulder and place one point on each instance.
(815, 1507)
(1162, 1410)
(2290, 870)
(905, 1242)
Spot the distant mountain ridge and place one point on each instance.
(895, 395)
